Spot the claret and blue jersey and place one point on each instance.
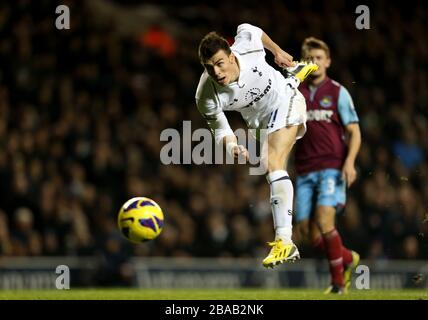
(321, 152)
(329, 110)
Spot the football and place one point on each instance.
(140, 219)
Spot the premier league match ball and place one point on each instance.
(140, 219)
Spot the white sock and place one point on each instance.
(281, 199)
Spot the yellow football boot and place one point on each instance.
(280, 253)
(347, 270)
(301, 70)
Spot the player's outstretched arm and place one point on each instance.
(233, 149)
(282, 58)
(222, 132)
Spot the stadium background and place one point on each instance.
(81, 112)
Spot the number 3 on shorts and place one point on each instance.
(330, 186)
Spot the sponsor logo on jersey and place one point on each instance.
(252, 94)
(259, 95)
(320, 115)
(326, 102)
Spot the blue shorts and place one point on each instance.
(319, 188)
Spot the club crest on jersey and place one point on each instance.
(326, 102)
(255, 70)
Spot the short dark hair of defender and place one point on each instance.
(314, 43)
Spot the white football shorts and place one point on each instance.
(291, 113)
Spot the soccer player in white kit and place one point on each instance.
(238, 78)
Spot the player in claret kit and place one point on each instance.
(325, 164)
(238, 78)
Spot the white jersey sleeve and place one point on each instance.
(248, 39)
(208, 105)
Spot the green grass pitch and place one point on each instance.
(209, 294)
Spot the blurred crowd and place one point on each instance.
(81, 112)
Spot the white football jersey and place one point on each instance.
(259, 91)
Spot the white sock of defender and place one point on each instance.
(281, 199)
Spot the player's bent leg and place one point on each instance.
(318, 243)
(333, 195)
(325, 219)
(279, 145)
(282, 249)
(348, 266)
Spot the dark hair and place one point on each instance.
(314, 43)
(211, 44)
